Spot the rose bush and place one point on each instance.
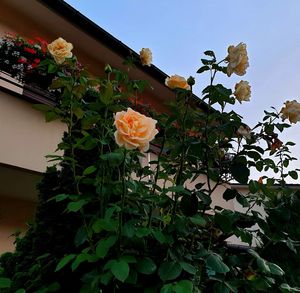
(106, 222)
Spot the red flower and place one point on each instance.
(42, 41)
(37, 60)
(30, 50)
(31, 42)
(33, 65)
(22, 60)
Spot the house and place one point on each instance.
(25, 137)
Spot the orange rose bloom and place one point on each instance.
(177, 81)
(134, 130)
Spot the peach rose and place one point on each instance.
(146, 56)
(291, 111)
(60, 50)
(177, 81)
(244, 131)
(237, 59)
(134, 130)
(242, 91)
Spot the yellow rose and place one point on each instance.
(60, 50)
(146, 57)
(134, 130)
(244, 131)
(291, 111)
(237, 59)
(242, 91)
(176, 81)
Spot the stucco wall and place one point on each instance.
(25, 137)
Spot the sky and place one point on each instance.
(178, 32)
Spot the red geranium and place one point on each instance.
(30, 50)
(22, 60)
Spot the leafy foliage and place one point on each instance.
(107, 223)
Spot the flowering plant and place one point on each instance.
(19, 56)
(110, 220)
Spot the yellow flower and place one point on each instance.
(134, 130)
(242, 91)
(244, 131)
(291, 111)
(177, 81)
(237, 59)
(146, 56)
(60, 50)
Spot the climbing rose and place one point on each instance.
(237, 59)
(60, 50)
(134, 130)
(146, 56)
(176, 81)
(242, 91)
(291, 111)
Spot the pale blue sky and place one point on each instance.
(178, 32)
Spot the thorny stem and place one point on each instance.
(182, 158)
(156, 177)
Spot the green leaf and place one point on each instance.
(120, 270)
(114, 159)
(76, 205)
(104, 245)
(5, 283)
(189, 204)
(188, 268)
(42, 107)
(79, 113)
(203, 68)
(107, 95)
(285, 288)
(275, 269)
(64, 261)
(215, 263)
(210, 53)
(198, 220)
(81, 236)
(225, 220)
(59, 197)
(242, 200)
(240, 172)
(169, 270)
(51, 116)
(104, 224)
(159, 236)
(146, 266)
(167, 288)
(293, 174)
(79, 259)
(253, 186)
(21, 291)
(183, 286)
(230, 194)
(89, 170)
